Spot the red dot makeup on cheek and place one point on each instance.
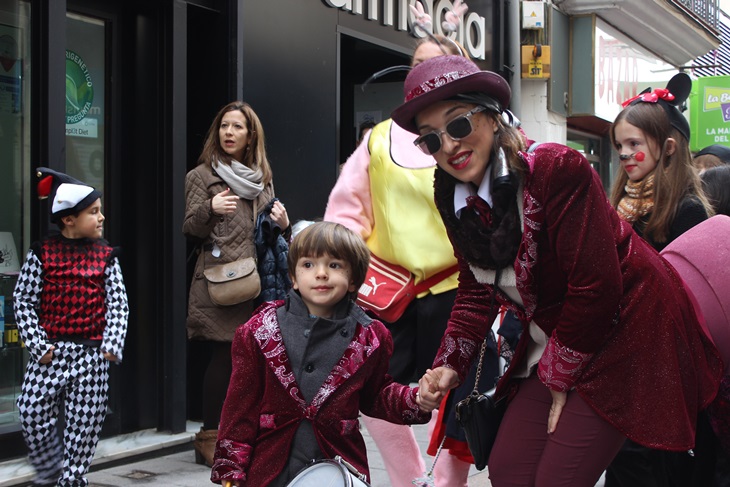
(639, 156)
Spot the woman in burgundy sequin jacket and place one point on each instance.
(610, 340)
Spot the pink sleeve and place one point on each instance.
(349, 202)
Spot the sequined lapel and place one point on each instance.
(360, 348)
(533, 217)
(268, 336)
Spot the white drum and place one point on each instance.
(329, 473)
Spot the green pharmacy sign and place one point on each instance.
(79, 88)
(710, 112)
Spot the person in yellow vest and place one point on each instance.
(385, 194)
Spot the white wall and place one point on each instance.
(538, 122)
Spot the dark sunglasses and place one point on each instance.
(457, 129)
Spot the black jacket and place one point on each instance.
(272, 251)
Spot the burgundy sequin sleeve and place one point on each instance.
(382, 397)
(240, 416)
(470, 319)
(231, 461)
(560, 366)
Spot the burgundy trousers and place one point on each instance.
(575, 455)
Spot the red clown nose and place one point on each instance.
(639, 156)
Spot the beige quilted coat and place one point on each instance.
(234, 234)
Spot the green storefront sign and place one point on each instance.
(709, 116)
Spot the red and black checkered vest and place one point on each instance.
(74, 293)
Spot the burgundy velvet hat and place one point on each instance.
(443, 78)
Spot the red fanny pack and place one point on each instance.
(389, 289)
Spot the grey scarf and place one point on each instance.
(244, 181)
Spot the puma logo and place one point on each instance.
(375, 284)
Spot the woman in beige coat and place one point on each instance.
(232, 178)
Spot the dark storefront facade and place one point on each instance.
(143, 80)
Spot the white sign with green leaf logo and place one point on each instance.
(79, 88)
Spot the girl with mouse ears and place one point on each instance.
(605, 318)
(657, 189)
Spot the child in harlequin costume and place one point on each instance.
(305, 366)
(71, 309)
(657, 191)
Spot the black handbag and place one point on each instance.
(480, 414)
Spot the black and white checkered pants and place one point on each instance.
(79, 374)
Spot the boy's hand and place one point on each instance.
(434, 385)
(110, 357)
(48, 356)
(426, 401)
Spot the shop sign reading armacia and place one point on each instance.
(709, 117)
(471, 33)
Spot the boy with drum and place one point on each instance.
(305, 366)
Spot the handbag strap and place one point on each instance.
(427, 479)
(435, 279)
(201, 247)
(492, 304)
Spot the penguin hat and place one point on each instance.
(68, 196)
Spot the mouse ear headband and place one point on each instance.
(670, 98)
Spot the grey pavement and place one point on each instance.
(180, 470)
(168, 460)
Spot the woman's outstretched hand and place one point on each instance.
(434, 385)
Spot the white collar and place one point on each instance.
(463, 190)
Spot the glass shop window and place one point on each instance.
(15, 80)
